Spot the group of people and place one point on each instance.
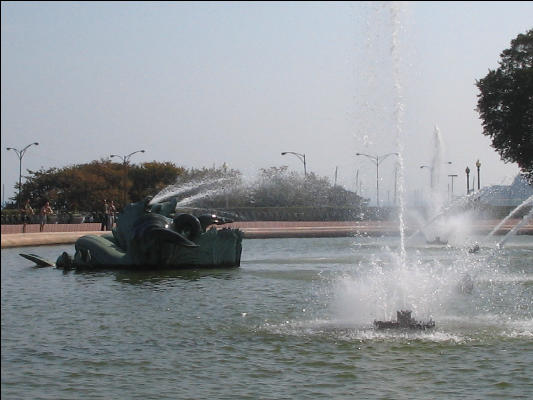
(43, 214)
(108, 217)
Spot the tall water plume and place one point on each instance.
(380, 286)
(398, 115)
(437, 195)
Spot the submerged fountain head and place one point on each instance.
(404, 321)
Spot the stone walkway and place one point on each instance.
(54, 234)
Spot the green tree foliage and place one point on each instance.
(83, 187)
(77, 187)
(279, 187)
(505, 104)
(150, 178)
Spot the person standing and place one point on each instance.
(28, 212)
(45, 211)
(105, 217)
(112, 212)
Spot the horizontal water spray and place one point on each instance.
(525, 219)
(513, 212)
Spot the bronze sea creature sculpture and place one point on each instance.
(155, 237)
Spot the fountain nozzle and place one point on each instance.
(404, 321)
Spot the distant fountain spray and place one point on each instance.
(390, 281)
(503, 221)
(459, 203)
(525, 219)
(437, 196)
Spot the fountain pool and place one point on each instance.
(294, 321)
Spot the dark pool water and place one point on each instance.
(293, 322)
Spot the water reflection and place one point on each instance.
(167, 276)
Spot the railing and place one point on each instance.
(270, 214)
(16, 218)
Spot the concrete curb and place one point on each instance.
(254, 230)
(40, 239)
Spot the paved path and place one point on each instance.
(44, 238)
(12, 236)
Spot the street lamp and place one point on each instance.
(20, 154)
(452, 176)
(467, 170)
(431, 173)
(125, 159)
(300, 156)
(478, 164)
(377, 160)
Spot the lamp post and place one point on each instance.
(431, 172)
(20, 154)
(125, 159)
(467, 170)
(300, 156)
(478, 164)
(452, 176)
(377, 160)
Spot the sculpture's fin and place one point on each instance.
(41, 262)
(172, 237)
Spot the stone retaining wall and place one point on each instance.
(34, 228)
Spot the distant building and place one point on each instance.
(512, 195)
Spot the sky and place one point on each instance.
(201, 84)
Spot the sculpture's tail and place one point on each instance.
(39, 261)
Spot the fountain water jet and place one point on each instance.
(190, 189)
(399, 107)
(459, 203)
(403, 283)
(515, 228)
(399, 114)
(513, 212)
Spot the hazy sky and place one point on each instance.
(200, 84)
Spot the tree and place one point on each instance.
(151, 177)
(279, 187)
(83, 187)
(77, 187)
(505, 104)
